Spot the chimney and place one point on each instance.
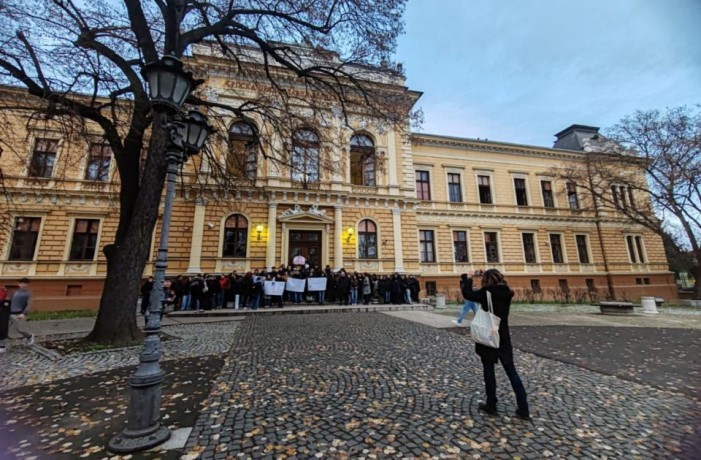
(574, 137)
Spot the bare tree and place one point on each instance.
(649, 169)
(78, 64)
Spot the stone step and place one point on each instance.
(300, 309)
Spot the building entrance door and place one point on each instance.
(305, 243)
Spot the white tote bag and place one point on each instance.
(484, 328)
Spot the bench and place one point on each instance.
(616, 308)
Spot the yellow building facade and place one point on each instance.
(428, 205)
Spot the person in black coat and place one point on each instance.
(196, 295)
(384, 288)
(343, 286)
(146, 295)
(493, 281)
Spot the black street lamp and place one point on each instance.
(197, 129)
(169, 86)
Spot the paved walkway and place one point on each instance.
(22, 365)
(586, 317)
(371, 384)
(375, 386)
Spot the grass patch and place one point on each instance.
(67, 314)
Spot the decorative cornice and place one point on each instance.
(297, 210)
(492, 147)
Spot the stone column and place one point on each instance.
(398, 251)
(272, 236)
(392, 159)
(338, 238)
(197, 235)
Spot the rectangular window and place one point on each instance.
(564, 287)
(622, 197)
(430, 288)
(639, 247)
(491, 247)
(619, 195)
(304, 165)
(535, 286)
(582, 249)
(646, 280)
(638, 281)
(460, 246)
(556, 248)
(423, 186)
(631, 201)
(528, 247)
(547, 188)
(631, 249)
(84, 239)
(485, 190)
(454, 188)
(572, 195)
(635, 249)
(521, 195)
(590, 285)
(43, 158)
(24, 238)
(99, 161)
(427, 249)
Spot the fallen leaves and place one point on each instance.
(74, 418)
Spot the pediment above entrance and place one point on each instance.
(311, 214)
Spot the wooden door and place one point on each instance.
(306, 243)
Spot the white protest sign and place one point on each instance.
(316, 284)
(274, 287)
(295, 285)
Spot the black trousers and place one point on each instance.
(490, 381)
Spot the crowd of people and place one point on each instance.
(246, 290)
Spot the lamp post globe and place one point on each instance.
(197, 129)
(169, 85)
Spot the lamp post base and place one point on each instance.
(135, 441)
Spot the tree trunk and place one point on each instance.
(126, 258)
(116, 319)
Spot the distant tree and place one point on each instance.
(680, 259)
(78, 64)
(649, 168)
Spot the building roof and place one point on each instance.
(574, 137)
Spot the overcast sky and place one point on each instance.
(519, 71)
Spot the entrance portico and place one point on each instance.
(305, 232)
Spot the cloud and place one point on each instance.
(522, 72)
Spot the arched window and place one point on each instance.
(243, 150)
(305, 156)
(235, 236)
(367, 240)
(363, 161)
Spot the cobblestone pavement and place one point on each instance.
(667, 358)
(23, 365)
(374, 386)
